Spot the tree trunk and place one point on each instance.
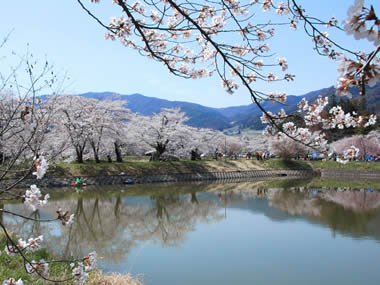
(79, 155)
(195, 155)
(160, 149)
(194, 198)
(96, 154)
(118, 152)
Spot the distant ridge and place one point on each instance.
(246, 116)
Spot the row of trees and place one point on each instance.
(80, 128)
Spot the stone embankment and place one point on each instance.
(350, 174)
(177, 177)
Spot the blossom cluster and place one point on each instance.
(351, 153)
(41, 166)
(12, 281)
(32, 198)
(337, 117)
(277, 97)
(349, 70)
(65, 218)
(41, 267)
(362, 23)
(79, 271)
(32, 245)
(356, 23)
(11, 250)
(312, 116)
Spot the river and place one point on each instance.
(258, 232)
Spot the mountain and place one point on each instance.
(247, 116)
(200, 116)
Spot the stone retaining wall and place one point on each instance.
(177, 177)
(350, 174)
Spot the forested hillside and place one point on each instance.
(247, 116)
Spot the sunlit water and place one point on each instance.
(245, 233)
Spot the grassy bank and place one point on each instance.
(135, 168)
(140, 167)
(13, 267)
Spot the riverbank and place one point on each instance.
(137, 171)
(138, 167)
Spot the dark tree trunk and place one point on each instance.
(195, 155)
(79, 152)
(118, 152)
(194, 198)
(96, 155)
(109, 158)
(160, 149)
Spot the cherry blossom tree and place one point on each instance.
(203, 141)
(254, 142)
(286, 148)
(85, 122)
(164, 132)
(72, 122)
(200, 39)
(366, 145)
(105, 119)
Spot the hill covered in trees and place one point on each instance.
(247, 116)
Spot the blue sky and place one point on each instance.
(63, 33)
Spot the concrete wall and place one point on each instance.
(350, 174)
(178, 177)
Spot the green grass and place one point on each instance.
(288, 183)
(135, 167)
(286, 164)
(141, 167)
(13, 266)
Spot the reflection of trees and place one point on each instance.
(356, 200)
(115, 225)
(350, 212)
(295, 203)
(170, 217)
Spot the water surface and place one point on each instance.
(234, 233)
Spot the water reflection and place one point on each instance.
(114, 225)
(116, 222)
